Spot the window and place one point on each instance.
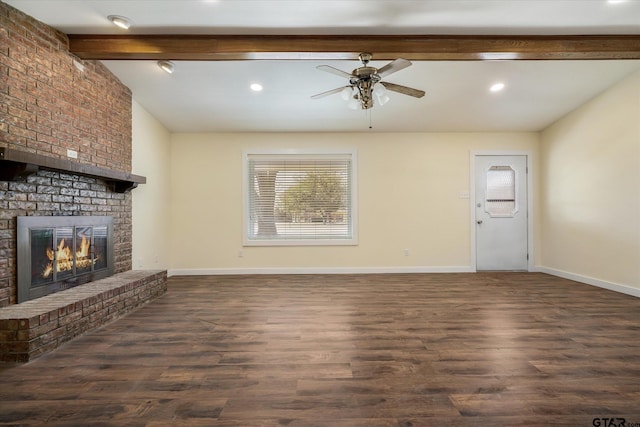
(299, 198)
(501, 192)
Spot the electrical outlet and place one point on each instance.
(406, 252)
(240, 254)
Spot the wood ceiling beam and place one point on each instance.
(324, 47)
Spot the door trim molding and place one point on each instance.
(472, 201)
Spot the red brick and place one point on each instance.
(8, 336)
(42, 329)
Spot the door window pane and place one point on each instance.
(500, 198)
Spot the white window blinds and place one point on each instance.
(299, 199)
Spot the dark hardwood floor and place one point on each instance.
(487, 349)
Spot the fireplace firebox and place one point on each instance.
(59, 252)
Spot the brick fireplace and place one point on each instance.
(53, 104)
(68, 195)
(65, 156)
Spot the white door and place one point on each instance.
(501, 212)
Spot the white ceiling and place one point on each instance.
(203, 96)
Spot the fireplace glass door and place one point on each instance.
(84, 250)
(41, 261)
(56, 253)
(63, 254)
(100, 247)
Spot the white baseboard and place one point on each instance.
(625, 289)
(317, 270)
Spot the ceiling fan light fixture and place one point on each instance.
(166, 66)
(380, 93)
(120, 21)
(346, 93)
(379, 89)
(354, 102)
(382, 99)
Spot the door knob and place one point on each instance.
(479, 221)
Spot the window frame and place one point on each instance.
(247, 241)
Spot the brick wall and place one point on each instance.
(48, 105)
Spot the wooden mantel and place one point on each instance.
(16, 164)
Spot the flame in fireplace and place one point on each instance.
(64, 257)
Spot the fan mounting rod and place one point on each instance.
(365, 57)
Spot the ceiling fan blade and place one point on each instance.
(333, 70)
(393, 66)
(403, 89)
(329, 92)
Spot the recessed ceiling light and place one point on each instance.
(166, 66)
(256, 87)
(497, 87)
(120, 21)
(616, 1)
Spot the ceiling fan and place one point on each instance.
(366, 82)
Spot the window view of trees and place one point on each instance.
(300, 198)
(318, 197)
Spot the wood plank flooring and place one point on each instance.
(486, 349)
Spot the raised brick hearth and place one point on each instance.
(32, 328)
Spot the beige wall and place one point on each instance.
(586, 197)
(590, 187)
(409, 198)
(151, 149)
